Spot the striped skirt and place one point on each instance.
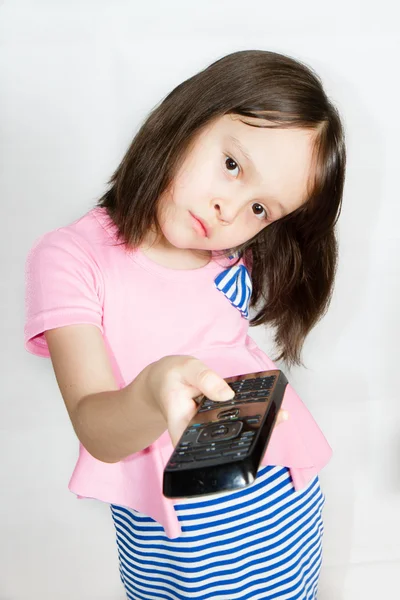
(264, 541)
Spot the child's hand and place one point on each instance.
(174, 381)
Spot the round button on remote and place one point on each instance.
(223, 431)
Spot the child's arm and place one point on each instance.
(110, 423)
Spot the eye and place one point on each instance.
(263, 212)
(231, 165)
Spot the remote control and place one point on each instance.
(222, 447)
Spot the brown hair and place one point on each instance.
(294, 259)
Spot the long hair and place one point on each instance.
(293, 261)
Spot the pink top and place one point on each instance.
(79, 274)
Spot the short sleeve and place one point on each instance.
(64, 286)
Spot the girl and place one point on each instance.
(226, 200)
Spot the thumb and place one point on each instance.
(209, 383)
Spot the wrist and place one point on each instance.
(142, 401)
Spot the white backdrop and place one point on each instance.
(77, 78)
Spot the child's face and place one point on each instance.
(235, 196)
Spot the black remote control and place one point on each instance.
(222, 447)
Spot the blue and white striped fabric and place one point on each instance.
(236, 284)
(258, 543)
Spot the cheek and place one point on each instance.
(248, 228)
(250, 223)
(199, 184)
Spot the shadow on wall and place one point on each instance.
(350, 416)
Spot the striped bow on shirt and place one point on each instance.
(235, 284)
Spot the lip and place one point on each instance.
(205, 227)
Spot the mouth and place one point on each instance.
(200, 225)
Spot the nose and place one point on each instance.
(226, 212)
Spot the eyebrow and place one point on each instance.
(245, 153)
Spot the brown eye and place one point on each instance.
(231, 164)
(259, 210)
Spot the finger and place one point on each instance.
(199, 376)
(180, 414)
(283, 415)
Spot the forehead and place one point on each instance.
(279, 161)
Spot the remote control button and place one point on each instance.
(221, 431)
(262, 394)
(190, 437)
(243, 396)
(180, 455)
(205, 436)
(235, 453)
(253, 420)
(236, 385)
(185, 459)
(212, 449)
(208, 455)
(221, 444)
(204, 448)
(228, 414)
(248, 434)
(268, 381)
(191, 430)
(241, 444)
(252, 397)
(216, 446)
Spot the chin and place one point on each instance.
(182, 242)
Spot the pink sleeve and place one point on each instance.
(64, 286)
